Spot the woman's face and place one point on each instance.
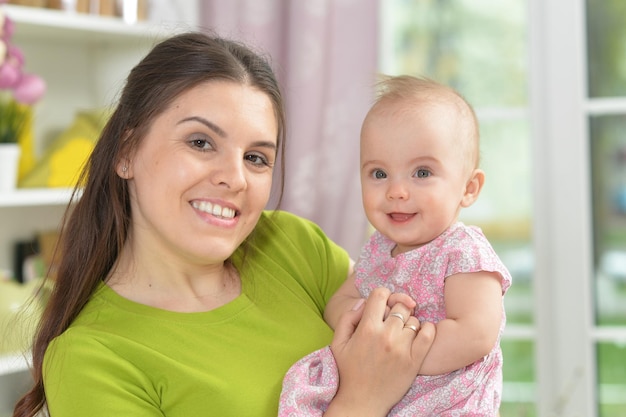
(201, 177)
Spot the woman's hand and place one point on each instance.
(378, 355)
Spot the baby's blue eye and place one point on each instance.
(379, 174)
(422, 173)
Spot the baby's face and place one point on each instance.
(414, 169)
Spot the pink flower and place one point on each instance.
(8, 27)
(9, 75)
(26, 88)
(15, 54)
(29, 89)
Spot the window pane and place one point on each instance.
(611, 380)
(518, 395)
(608, 153)
(605, 47)
(475, 46)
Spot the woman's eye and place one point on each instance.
(379, 174)
(201, 144)
(422, 173)
(257, 160)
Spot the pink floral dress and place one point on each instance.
(311, 383)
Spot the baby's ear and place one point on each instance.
(473, 187)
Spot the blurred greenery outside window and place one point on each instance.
(606, 40)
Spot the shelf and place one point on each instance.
(10, 364)
(15, 380)
(27, 197)
(72, 27)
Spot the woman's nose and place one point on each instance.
(230, 172)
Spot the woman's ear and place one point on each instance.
(473, 187)
(123, 168)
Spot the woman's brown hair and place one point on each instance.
(97, 225)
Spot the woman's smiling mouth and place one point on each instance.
(214, 209)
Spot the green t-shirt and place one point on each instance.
(121, 358)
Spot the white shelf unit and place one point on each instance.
(25, 197)
(25, 212)
(84, 60)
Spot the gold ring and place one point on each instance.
(397, 315)
(411, 327)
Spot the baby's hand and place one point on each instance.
(401, 298)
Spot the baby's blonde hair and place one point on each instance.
(425, 90)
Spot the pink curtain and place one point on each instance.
(325, 55)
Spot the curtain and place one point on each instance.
(325, 56)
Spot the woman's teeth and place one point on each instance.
(214, 209)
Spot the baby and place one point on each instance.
(419, 168)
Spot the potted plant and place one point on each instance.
(19, 90)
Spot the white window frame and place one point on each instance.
(566, 334)
(562, 238)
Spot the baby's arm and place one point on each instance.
(473, 316)
(341, 301)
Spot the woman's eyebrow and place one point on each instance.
(265, 144)
(222, 133)
(207, 123)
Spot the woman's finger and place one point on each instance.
(422, 343)
(412, 325)
(398, 297)
(399, 312)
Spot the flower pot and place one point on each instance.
(9, 162)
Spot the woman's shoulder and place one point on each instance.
(287, 236)
(281, 224)
(282, 217)
(75, 348)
